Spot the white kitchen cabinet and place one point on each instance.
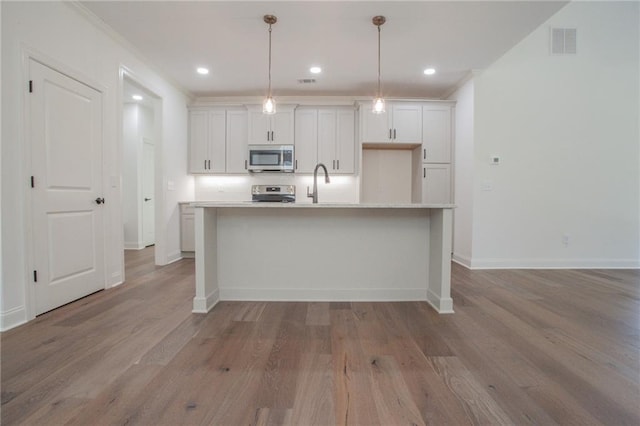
(325, 135)
(401, 123)
(237, 150)
(187, 230)
(306, 139)
(436, 133)
(207, 131)
(336, 139)
(275, 128)
(436, 183)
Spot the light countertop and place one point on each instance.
(251, 204)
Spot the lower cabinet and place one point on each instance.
(436, 183)
(187, 230)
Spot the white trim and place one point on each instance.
(554, 264)
(13, 318)
(441, 305)
(174, 257)
(122, 42)
(461, 260)
(322, 295)
(133, 245)
(203, 305)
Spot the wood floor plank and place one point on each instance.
(523, 347)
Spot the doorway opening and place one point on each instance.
(140, 140)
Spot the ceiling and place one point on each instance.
(231, 39)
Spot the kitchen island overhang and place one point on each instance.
(322, 252)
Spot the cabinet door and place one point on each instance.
(375, 127)
(436, 134)
(407, 123)
(282, 128)
(327, 138)
(187, 228)
(259, 127)
(236, 141)
(198, 141)
(306, 140)
(217, 142)
(436, 183)
(345, 142)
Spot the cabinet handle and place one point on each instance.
(245, 164)
(338, 163)
(267, 136)
(390, 134)
(334, 164)
(272, 136)
(424, 172)
(424, 157)
(205, 164)
(296, 164)
(394, 133)
(209, 164)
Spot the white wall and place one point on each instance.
(566, 128)
(63, 37)
(463, 172)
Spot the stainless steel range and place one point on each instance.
(273, 193)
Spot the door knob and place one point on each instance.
(147, 199)
(99, 200)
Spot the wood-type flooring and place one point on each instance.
(524, 347)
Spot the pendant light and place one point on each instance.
(378, 102)
(269, 104)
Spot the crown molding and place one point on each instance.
(94, 20)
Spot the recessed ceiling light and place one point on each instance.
(136, 97)
(429, 71)
(315, 70)
(203, 71)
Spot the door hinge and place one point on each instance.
(35, 276)
(30, 86)
(33, 182)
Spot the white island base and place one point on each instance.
(322, 252)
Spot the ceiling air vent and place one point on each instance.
(563, 41)
(307, 80)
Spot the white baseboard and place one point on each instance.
(13, 318)
(174, 257)
(442, 305)
(202, 305)
(552, 264)
(133, 245)
(462, 260)
(322, 295)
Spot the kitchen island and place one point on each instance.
(322, 252)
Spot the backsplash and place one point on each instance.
(342, 189)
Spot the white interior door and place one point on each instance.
(148, 203)
(66, 198)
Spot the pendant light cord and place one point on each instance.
(379, 94)
(269, 60)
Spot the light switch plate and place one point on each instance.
(495, 160)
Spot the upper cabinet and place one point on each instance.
(325, 135)
(401, 123)
(336, 139)
(436, 133)
(207, 141)
(275, 128)
(217, 140)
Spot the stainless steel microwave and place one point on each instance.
(271, 158)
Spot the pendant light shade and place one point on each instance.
(269, 104)
(378, 102)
